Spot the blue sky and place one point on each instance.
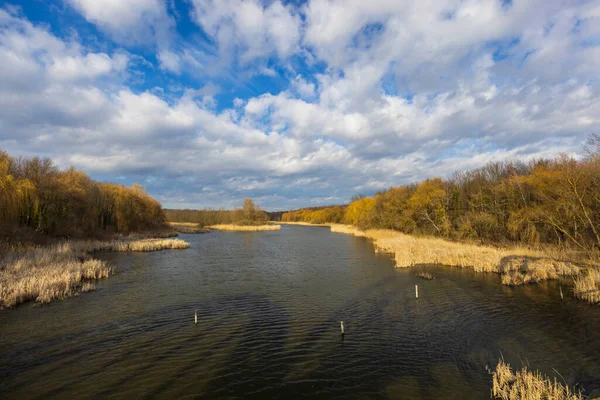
(294, 103)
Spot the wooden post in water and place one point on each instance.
(342, 327)
(416, 291)
(196, 317)
(561, 293)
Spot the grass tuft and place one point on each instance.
(528, 385)
(45, 273)
(587, 286)
(425, 275)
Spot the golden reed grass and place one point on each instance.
(45, 273)
(35, 273)
(528, 385)
(516, 265)
(302, 223)
(187, 227)
(587, 286)
(130, 245)
(245, 228)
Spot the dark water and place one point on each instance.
(269, 306)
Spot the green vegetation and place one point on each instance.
(249, 215)
(38, 198)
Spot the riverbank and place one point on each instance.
(301, 224)
(245, 228)
(45, 273)
(516, 265)
(187, 227)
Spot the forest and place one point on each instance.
(39, 198)
(544, 201)
(249, 214)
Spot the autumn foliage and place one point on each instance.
(248, 215)
(546, 201)
(38, 197)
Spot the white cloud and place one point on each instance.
(131, 21)
(247, 26)
(303, 88)
(134, 22)
(404, 91)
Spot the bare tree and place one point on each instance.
(592, 145)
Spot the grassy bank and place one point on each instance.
(516, 265)
(187, 227)
(525, 385)
(245, 228)
(45, 273)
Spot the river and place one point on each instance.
(269, 308)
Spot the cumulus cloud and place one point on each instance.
(136, 22)
(378, 93)
(247, 26)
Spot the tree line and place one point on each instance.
(36, 196)
(248, 214)
(555, 201)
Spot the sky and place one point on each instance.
(294, 103)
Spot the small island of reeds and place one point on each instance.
(425, 275)
(187, 227)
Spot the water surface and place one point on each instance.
(269, 306)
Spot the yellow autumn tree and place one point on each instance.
(359, 212)
(428, 206)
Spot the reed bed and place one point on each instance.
(425, 275)
(302, 223)
(528, 385)
(587, 286)
(187, 227)
(516, 265)
(245, 228)
(131, 245)
(44, 273)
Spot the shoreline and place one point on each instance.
(44, 273)
(515, 265)
(245, 228)
(187, 227)
(301, 224)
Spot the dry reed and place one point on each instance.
(45, 273)
(425, 275)
(34, 273)
(187, 227)
(587, 286)
(302, 223)
(517, 265)
(131, 245)
(528, 385)
(252, 228)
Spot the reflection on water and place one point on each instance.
(269, 306)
